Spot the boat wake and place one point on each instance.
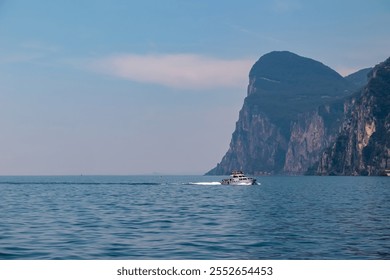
(216, 184)
(205, 183)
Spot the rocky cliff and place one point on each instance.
(292, 112)
(363, 144)
(310, 134)
(301, 117)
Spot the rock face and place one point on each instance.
(258, 146)
(363, 145)
(310, 135)
(294, 110)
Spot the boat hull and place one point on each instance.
(239, 183)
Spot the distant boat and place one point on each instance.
(239, 179)
(386, 172)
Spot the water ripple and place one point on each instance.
(156, 217)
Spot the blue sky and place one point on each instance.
(142, 87)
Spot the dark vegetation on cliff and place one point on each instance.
(285, 85)
(294, 110)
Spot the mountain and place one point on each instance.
(282, 85)
(293, 111)
(363, 145)
(359, 78)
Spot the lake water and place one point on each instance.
(169, 217)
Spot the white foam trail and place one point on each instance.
(206, 183)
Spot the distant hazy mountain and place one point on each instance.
(293, 111)
(359, 78)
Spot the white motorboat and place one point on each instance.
(386, 172)
(238, 178)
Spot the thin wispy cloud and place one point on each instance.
(284, 6)
(13, 58)
(265, 37)
(28, 52)
(184, 71)
(40, 46)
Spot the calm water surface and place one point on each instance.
(169, 217)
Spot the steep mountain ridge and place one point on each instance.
(363, 145)
(293, 111)
(292, 84)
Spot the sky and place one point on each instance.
(154, 86)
